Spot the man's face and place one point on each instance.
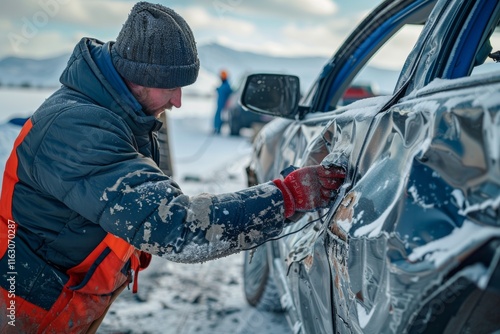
(155, 101)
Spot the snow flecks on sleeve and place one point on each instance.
(153, 248)
(197, 253)
(118, 183)
(164, 210)
(220, 225)
(198, 214)
(117, 207)
(147, 231)
(247, 240)
(214, 233)
(162, 221)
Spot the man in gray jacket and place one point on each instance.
(84, 202)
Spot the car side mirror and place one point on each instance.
(272, 94)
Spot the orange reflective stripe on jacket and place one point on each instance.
(81, 294)
(9, 181)
(87, 293)
(91, 284)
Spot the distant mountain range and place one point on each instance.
(32, 72)
(213, 57)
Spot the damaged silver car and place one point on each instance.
(412, 242)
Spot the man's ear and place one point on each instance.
(132, 86)
(135, 89)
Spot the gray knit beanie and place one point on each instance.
(156, 48)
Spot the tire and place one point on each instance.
(462, 306)
(260, 288)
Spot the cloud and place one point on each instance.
(90, 13)
(316, 40)
(226, 30)
(314, 7)
(36, 47)
(95, 14)
(296, 9)
(199, 19)
(30, 23)
(18, 9)
(395, 52)
(264, 26)
(5, 25)
(280, 27)
(240, 31)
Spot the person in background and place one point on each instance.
(83, 202)
(223, 93)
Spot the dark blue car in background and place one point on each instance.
(412, 243)
(238, 118)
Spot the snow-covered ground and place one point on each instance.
(178, 298)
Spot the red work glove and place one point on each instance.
(310, 188)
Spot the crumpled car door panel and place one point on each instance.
(424, 184)
(331, 138)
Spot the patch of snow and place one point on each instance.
(416, 198)
(458, 195)
(373, 229)
(364, 317)
(465, 207)
(8, 134)
(188, 299)
(477, 273)
(17, 102)
(494, 203)
(457, 242)
(344, 224)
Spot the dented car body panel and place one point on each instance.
(421, 203)
(412, 243)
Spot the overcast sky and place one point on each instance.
(44, 28)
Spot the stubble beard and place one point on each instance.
(143, 98)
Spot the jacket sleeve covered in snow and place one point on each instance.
(158, 220)
(99, 174)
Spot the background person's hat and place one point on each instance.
(156, 48)
(223, 74)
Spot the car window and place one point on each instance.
(489, 54)
(454, 47)
(380, 74)
(387, 26)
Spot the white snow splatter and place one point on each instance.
(465, 207)
(363, 317)
(117, 207)
(147, 231)
(118, 183)
(416, 199)
(457, 242)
